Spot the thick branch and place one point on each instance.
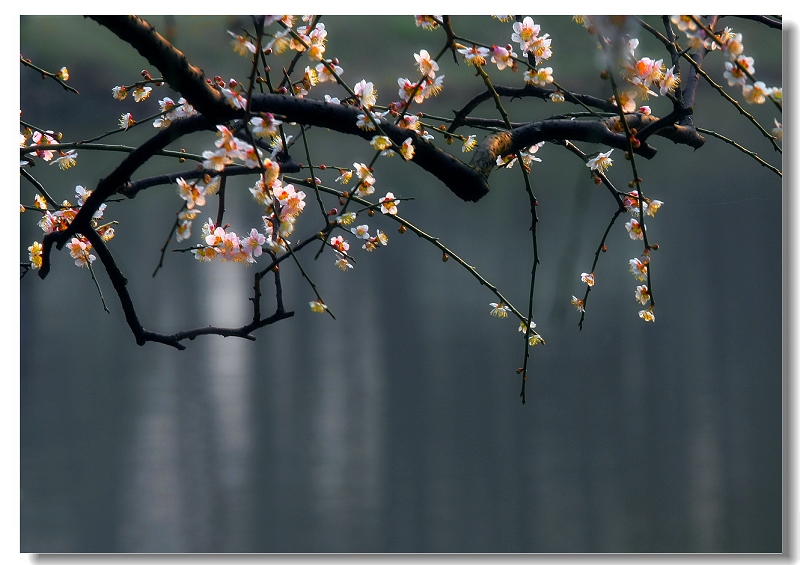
(605, 132)
(464, 181)
(187, 79)
(118, 177)
(523, 92)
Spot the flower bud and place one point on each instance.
(445, 257)
(401, 229)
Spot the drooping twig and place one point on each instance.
(742, 149)
(47, 74)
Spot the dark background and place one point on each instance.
(398, 427)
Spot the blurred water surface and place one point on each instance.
(397, 427)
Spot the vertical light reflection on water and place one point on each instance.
(228, 379)
(348, 427)
(187, 488)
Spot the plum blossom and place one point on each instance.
(79, 250)
(66, 160)
(503, 56)
(367, 94)
(539, 77)
(642, 294)
(474, 55)
(756, 93)
(427, 66)
(600, 162)
(634, 229)
(141, 93)
(35, 255)
(388, 204)
(639, 269)
(361, 232)
(192, 193)
(499, 309)
(428, 22)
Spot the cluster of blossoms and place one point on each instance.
(172, 111)
(634, 205)
(227, 246)
(737, 67)
(642, 75)
(429, 84)
(309, 38)
(282, 203)
(366, 180)
(528, 157)
(65, 159)
(58, 220)
(501, 311)
(140, 92)
(531, 42)
(388, 205)
(231, 148)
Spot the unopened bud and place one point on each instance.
(333, 211)
(401, 229)
(604, 248)
(445, 257)
(371, 213)
(604, 75)
(654, 247)
(322, 167)
(519, 370)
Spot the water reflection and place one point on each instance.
(397, 427)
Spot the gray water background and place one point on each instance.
(398, 427)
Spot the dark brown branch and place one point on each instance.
(142, 335)
(118, 177)
(605, 132)
(523, 92)
(187, 79)
(766, 20)
(465, 182)
(692, 80)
